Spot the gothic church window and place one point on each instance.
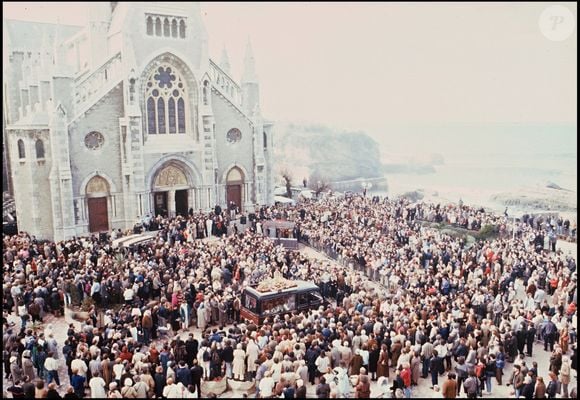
(39, 149)
(21, 151)
(181, 115)
(151, 127)
(166, 107)
(149, 26)
(174, 28)
(234, 135)
(182, 29)
(171, 115)
(158, 26)
(160, 115)
(166, 27)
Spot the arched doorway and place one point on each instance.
(234, 187)
(171, 191)
(97, 192)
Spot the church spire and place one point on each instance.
(225, 61)
(249, 74)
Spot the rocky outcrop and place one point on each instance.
(414, 195)
(545, 198)
(317, 150)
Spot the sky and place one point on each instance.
(375, 66)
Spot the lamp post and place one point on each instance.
(366, 186)
(513, 224)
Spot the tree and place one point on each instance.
(319, 184)
(287, 182)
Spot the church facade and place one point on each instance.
(128, 116)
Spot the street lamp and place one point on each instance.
(366, 186)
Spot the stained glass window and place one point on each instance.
(166, 27)
(161, 115)
(21, 151)
(158, 26)
(174, 28)
(171, 115)
(166, 107)
(39, 149)
(165, 77)
(234, 135)
(149, 26)
(151, 116)
(181, 115)
(182, 29)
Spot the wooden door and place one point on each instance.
(181, 202)
(160, 199)
(234, 193)
(98, 214)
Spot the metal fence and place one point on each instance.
(350, 262)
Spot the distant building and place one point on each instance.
(128, 116)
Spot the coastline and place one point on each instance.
(398, 185)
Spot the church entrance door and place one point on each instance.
(98, 215)
(181, 202)
(234, 187)
(160, 203)
(234, 193)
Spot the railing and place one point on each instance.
(88, 87)
(328, 250)
(224, 84)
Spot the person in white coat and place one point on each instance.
(201, 319)
(253, 353)
(208, 227)
(343, 385)
(97, 385)
(239, 367)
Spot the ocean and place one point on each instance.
(479, 162)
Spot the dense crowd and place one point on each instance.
(407, 302)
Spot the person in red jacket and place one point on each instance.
(126, 354)
(406, 377)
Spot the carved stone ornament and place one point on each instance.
(170, 176)
(97, 184)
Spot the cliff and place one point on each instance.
(317, 150)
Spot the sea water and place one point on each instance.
(479, 162)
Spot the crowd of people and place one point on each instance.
(407, 303)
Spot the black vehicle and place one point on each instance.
(9, 228)
(257, 305)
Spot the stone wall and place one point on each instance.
(31, 183)
(228, 154)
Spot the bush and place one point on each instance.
(487, 232)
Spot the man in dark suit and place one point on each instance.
(196, 374)
(182, 374)
(191, 346)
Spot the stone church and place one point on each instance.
(128, 116)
